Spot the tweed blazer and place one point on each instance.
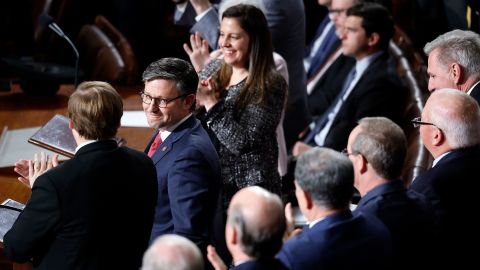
(245, 139)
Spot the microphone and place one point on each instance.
(46, 20)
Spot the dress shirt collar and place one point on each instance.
(471, 88)
(83, 144)
(435, 161)
(164, 134)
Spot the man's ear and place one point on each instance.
(231, 235)
(70, 124)
(438, 137)
(308, 200)
(456, 73)
(362, 163)
(189, 100)
(373, 39)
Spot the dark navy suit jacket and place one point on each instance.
(452, 187)
(340, 241)
(272, 264)
(189, 184)
(94, 211)
(408, 217)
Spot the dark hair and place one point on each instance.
(375, 19)
(174, 69)
(95, 109)
(261, 65)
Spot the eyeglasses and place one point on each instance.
(346, 153)
(160, 102)
(417, 121)
(337, 11)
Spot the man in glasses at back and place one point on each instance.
(450, 130)
(188, 168)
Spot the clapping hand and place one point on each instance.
(30, 170)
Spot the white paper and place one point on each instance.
(134, 119)
(14, 146)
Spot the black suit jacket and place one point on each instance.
(94, 211)
(452, 187)
(379, 92)
(476, 93)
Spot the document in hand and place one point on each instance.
(56, 136)
(9, 211)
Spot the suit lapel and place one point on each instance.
(164, 148)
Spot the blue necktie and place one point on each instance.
(323, 120)
(323, 52)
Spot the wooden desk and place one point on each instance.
(18, 110)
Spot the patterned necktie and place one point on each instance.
(155, 144)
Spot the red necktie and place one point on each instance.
(155, 144)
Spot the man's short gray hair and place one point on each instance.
(172, 252)
(458, 46)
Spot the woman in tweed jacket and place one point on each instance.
(243, 100)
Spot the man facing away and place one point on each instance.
(333, 238)
(172, 252)
(96, 210)
(454, 62)
(377, 148)
(254, 231)
(450, 130)
(188, 168)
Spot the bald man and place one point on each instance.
(450, 130)
(172, 252)
(454, 62)
(254, 231)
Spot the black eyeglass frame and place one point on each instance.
(417, 122)
(160, 102)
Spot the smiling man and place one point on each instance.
(188, 169)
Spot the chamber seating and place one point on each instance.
(412, 70)
(123, 47)
(99, 58)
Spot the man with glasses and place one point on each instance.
(377, 148)
(450, 130)
(188, 169)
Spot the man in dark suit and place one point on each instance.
(454, 62)
(254, 231)
(377, 149)
(370, 87)
(188, 170)
(96, 210)
(450, 130)
(333, 238)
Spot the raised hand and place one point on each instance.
(198, 53)
(214, 259)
